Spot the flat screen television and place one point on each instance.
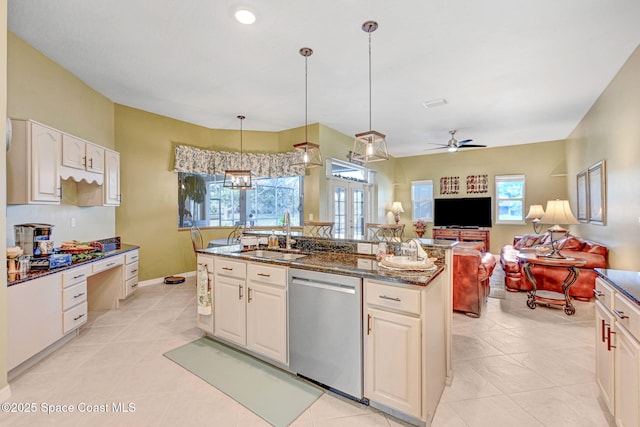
(462, 212)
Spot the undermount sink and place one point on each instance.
(273, 255)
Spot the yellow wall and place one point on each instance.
(4, 387)
(148, 214)
(611, 131)
(39, 89)
(538, 162)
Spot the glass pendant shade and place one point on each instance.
(307, 154)
(239, 179)
(369, 146)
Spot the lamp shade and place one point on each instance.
(558, 212)
(396, 207)
(535, 212)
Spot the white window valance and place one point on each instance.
(207, 162)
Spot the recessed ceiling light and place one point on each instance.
(245, 16)
(434, 103)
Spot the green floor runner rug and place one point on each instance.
(276, 396)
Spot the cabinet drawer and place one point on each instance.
(131, 271)
(267, 274)
(395, 297)
(226, 267)
(206, 261)
(131, 285)
(75, 275)
(627, 315)
(131, 256)
(74, 317)
(108, 263)
(74, 295)
(604, 293)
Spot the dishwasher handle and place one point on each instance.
(336, 287)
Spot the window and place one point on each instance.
(203, 201)
(510, 199)
(422, 200)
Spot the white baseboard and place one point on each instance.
(5, 393)
(160, 280)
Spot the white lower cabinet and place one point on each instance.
(267, 311)
(33, 318)
(618, 354)
(130, 273)
(250, 306)
(74, 298)
(627, 378)
(393, 367)
(405, 356)
(604, 355)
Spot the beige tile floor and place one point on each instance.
(512, 367)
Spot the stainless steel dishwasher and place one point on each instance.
(325, 329)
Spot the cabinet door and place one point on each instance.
(627, 378)
(95, 158)
(267, 321)
(229, 309)
(392, 364)
(45, 157)
(604, 355)
(34, 318)
(111, 178)
(73, 152)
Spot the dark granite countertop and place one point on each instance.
(347, 264)
(627, 282)
(14, 279)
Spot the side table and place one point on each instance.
(528, 259)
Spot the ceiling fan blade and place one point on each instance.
(463, 142)
(437, 148)
(471, 146)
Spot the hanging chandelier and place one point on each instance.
(239, 179)
(307, 153)
(369, 146)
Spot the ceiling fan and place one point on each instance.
(453, 145)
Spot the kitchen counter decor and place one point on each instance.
(396, 262)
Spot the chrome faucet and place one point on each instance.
(287, 228)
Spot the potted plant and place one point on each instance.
(420, 226)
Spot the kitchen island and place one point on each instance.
(401, 318)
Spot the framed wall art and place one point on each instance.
(450, 185)
(583, 196)
(597, 196)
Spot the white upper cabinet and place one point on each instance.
(80, 154)
(32, 164)
(112, 178)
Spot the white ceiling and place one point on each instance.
(512, 72)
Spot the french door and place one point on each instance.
(351, 203)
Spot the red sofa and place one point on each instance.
(549, 277)
(472, 270)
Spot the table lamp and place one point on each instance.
(557, 212)
(396, 208)
(535, 213)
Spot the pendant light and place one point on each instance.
(369, 146)
(239, 179)
(307, 153)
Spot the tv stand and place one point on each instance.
(464, 234)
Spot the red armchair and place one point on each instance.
(472, 270)
(550, 278)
